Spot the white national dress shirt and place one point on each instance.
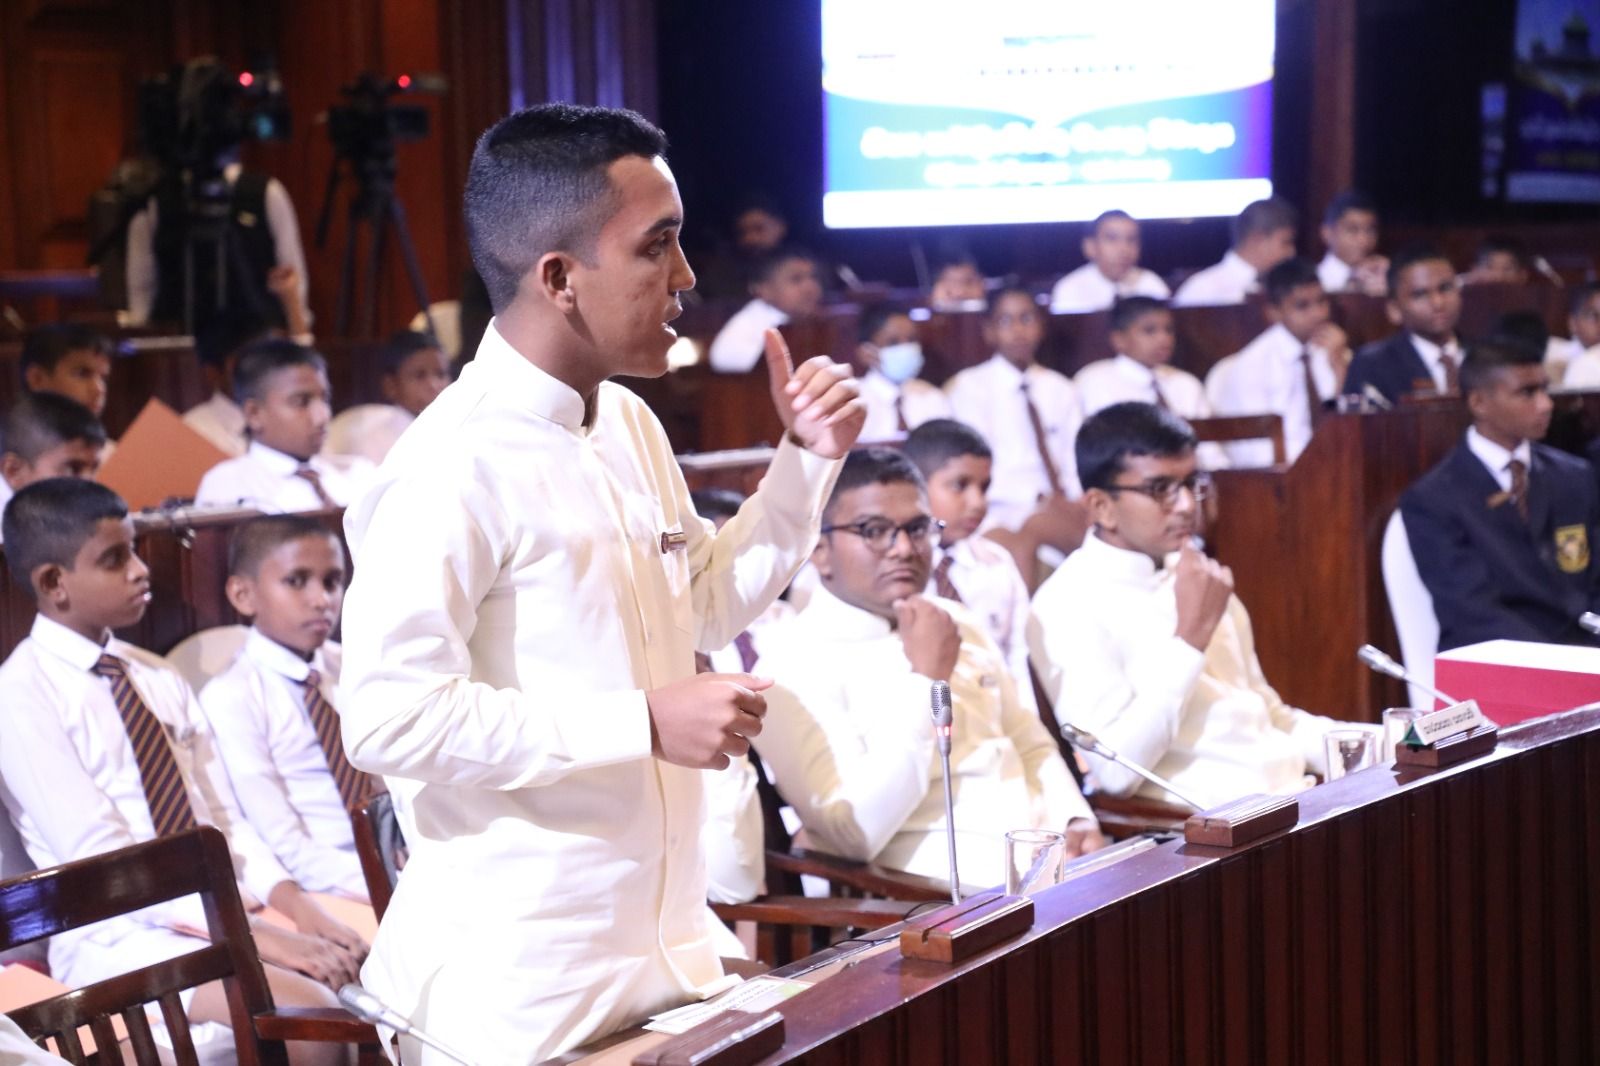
(265, 478)
(1582, 367)
(1086, 289)
(985, 577)
(72, 786)
(849, 738)
(257, 713)
(1226, 282)
(367, 430)
(1432, 355)
(1265, 377)
(511, 606)
(1334, 273)
(220, 421)
(738, 345)
(1103, 637)
(920, 401)
(1498, 459)
(988, 397)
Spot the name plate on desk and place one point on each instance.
(961, 930)
(1241, 821)
(1432, 728)
(734, 1038)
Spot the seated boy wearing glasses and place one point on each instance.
(849, 735)
(1139, 639)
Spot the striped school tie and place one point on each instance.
(164, 789)
(353, 785)
(309, 475)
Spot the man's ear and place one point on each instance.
(1100, 505)
(822, 557)
(1087, 246)
(252, 414)
(36, 378)
(15, 470)
(389, 385)
(1474, 401)
(241, 593)
(1391, 307)
(1327, 234)
(1274, 314)
(49, 585)
(551, 280)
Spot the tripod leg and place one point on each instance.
(408, 253)
(347, 271)
(380, 233)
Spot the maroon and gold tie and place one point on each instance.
(1452, 372)
(1519, 487)
(1050, 472)
(353, 785)
(306, 473)
(941, 580)
(164, 789)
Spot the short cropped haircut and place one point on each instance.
(1580, 295)
(261, 359)
(1107, 216)
(1263, 217)
(1289, 275)
(1502, 243)
(230, 330)
(875, 317)
(402, 346)
(48, 522)
(873, 466)
(1410, 256)
(934, 443)
(1113, 435)
(1485, 360)
(46, 345)
(1345, 202)
(39, 421)
(1127, 310)
(253, 540)
(1011, 290)
(537, 183)
(767, 263)
(714, 503)
(1523, 329)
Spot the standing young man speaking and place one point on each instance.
(531, 585)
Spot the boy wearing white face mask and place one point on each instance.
(890, 358)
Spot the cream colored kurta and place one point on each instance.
(511, 605)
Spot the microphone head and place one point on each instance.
(360, 1002)
(1589, 622)
(1377, 661)
(940, 697)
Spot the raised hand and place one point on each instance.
(819, 403)
(1202, 587)
(929, 636)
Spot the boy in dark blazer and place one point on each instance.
(1425, 355)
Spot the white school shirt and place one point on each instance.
(988, 397)
(1121, 379)
(1497, 460)
(511, 605)
(1226, 282)
(265, 478)
(220, 421)
(920, 401)
(367, 431)
(1582, 367)
(1103, 640)
(849, 738)
(1432, 354)
(1265, 378)
(1334, 273)
(257, 713)
(985, 576)
(1086, 289)
(739, 344)
(72, 786)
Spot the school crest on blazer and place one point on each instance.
(1572, 549)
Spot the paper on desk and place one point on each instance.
(754, 995)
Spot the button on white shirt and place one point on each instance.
(265, 478)
(220, 421)
(1103, 637)
(257, 713)
(919, 401)
(1334, 273)
(849, 738)
(739, 344)
(511, 606)
(1086, 289)
(1498, 459)
(367, 430)
(1432, 354)
(985, 577)
(1265, 377)
(989, 398)
(1226, 282)
(72, 785)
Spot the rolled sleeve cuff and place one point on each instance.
(615, 730)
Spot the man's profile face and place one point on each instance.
(1515, 404)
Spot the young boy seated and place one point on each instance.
(102, 746)
(1263, 237)
(218, 418)
(1501, 260)
(1503, 530)
(848, 734)
(1424, 356)
(283, 390)
(955, 463)
(1293, 368)
(958, 285)
(415, 371)
(273, 712)
(1575, 361)
(897, 400)
(1143, 338)
(1350, 230)
(1139, 639)
(1111, 247)
(783, 285)
(45, 436)
(69, 360)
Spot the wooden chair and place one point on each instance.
(378, 844)
(48, 902)
(1244, 427)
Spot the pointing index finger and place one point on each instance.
(780, 367)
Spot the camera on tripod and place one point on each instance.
(369, 126)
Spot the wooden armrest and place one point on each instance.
(326, 1025)
(861, 876)
(1125, 816)
(831, 912)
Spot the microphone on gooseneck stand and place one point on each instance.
(372, 1010)
(1376, 661)
(1589, 622)
(943, 719)
(1087, 741)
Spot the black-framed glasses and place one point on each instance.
(1167, 490)
(880, 533)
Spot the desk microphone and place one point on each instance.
(372, 1010)
(1378, 662)
(1370, 393)
(1087, 741)
(1589, 622)
(943, 719)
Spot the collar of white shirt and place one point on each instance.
(1007, 374)
(1136, 372)
(281, 463)
(550, 399)
(841, 621)
(275, 657)
(1497, 458)
(75, 649)
(1430, 351)
(1121, 564)
(1234, 265)
(1332, 267)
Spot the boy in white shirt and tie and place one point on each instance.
(283, 389)
(1350, 230)
(415, 372)
(273, 711)
(103, 746)
(1263, 237)
(848, 732)
(897, 400)
(1111, 247)
(1144, 339)
(783, 285)
(45, 436)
